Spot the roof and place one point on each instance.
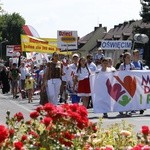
(90, 39)
(125, 29)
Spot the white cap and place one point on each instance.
(75, 55)
(99, 49)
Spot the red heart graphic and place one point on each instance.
(115, 91)
(128, 83)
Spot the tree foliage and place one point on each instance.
(11, 27)
(145, 12)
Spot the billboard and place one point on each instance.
(12, 50)
(116, 45)
(67, 40)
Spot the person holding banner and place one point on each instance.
(125, 66)
(138, 66)
(120, 62)
(93, 68)
(82, 78)
(54, 73)
(105, 68)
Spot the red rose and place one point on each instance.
(68, 135)
(28, 122)
(82, 111)
(49, 107)
(145, 130)
(3, 133)
(19, 116)
(23, 138)
(33, 134)
(18, 145)
(74, 107)
(11, 132)
(39, 108)
(47, 120)
(34, 114)
(137, 147)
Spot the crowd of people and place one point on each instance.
(57, 80)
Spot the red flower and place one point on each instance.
(68, 135)
(47, 120)
(34, 114)
(82, 111)
(137, 147)
(28, 122)
(19, 116)
(82, 123)
(74, 107)
(34, 134)
(18, 145)
(3, 133)
(23, 138)
(11, 132)
(39, 108)
(145, 130)
(49, 107)
(146, 147)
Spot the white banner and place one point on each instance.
(116, 45)
(120, 91)
(9, 50)
(67, 40)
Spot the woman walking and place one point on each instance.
(53, 78)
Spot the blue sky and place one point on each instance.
(48, 16)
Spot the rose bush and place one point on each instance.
(67, 127)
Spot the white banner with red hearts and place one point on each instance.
(120, 91)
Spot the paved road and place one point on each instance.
(16, 105)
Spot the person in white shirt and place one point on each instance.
(127, 64)
(90, 64)
(138, 66)
(66, 72)
(110, 64)
(82, 77)
(73, 69)
(104, 68)
(23, 71)
(99, 55)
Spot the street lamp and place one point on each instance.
(1, 48)
(140, 38)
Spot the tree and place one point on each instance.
(10, 29)
(145, 12)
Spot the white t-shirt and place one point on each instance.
(92, 67)
(126, 66)
(73, 69)
(67, 73)
(23, 72)
(84, 73)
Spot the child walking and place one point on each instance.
(29, 86)
(82, 78)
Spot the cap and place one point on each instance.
(99, 49)
(75, 55)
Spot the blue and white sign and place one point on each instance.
(116, 45)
